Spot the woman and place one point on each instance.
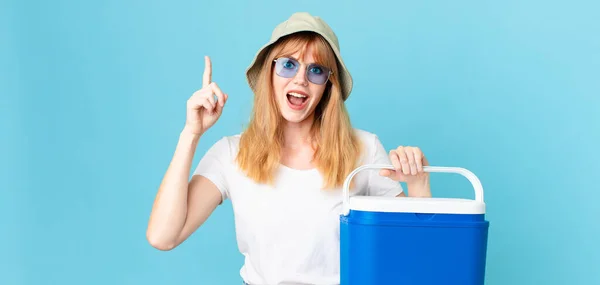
(284, 173)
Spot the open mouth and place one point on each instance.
(296, 100)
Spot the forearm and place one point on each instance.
(419, 188)
(170, 206)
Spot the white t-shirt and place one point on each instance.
(289, 233)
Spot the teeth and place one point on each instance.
(297, 95)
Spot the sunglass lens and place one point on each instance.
(318, 74)
(286, 67)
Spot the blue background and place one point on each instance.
(93, 98)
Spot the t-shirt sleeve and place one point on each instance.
(214, 165)
(381, 185)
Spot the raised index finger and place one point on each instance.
(207, 72)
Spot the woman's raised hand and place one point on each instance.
(202, 108)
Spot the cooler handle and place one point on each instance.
(464, 172)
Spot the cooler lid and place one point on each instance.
(416, 205)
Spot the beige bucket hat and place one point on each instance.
(299, 22)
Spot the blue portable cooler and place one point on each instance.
(413, 241)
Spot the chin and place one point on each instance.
(293, 118)
(292, 115)
(295, 114)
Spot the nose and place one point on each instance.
(300, 77)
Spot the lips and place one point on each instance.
(298, 92)
(297, 99)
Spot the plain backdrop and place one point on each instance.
(93, 98)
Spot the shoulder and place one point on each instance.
(371, 145)
(226, 147)
(368, 139)
(232, 141)
(364, 134)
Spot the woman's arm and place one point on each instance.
(181, 207)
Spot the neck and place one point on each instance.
(297, 134)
